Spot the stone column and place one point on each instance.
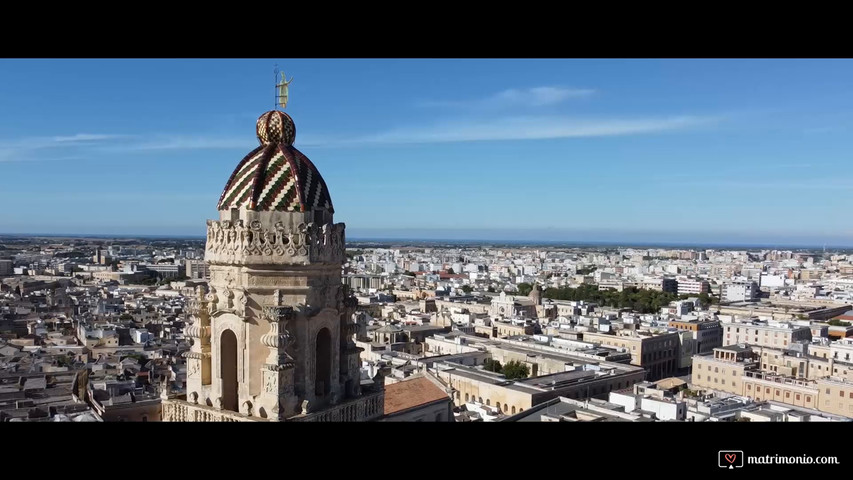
(198, 358)
(350, 354)
(278, 398)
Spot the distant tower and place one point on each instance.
(535, 294)
(274, 335)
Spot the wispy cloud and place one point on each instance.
(86, 137)
(31, 148)
(514, 97)
(186, 143)
(534, 127)
(784, 184)
(82, 145)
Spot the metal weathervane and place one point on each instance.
(281, 89)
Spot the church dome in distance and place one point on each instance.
(276, 176)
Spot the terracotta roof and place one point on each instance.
(408, 394)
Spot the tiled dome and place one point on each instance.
(276, 176)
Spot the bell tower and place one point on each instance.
(273, 335)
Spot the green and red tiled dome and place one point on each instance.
(276, 176)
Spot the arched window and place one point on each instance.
(513, 410)
(323, 365)
(228, 370)
(466, 397)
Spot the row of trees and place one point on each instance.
(837, 322)
(524, 288)
(512, 370)
(637, 299)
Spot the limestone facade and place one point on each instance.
(273, 335)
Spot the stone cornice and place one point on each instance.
(234, 243)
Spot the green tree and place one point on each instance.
(837, 323)
(515, 369)
(491, 289)
(492, 365)
(467, 288)
(641, 300)
(524, 288)
(450, 271)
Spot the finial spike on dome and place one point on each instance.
(275, 79)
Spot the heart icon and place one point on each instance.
(731, 457)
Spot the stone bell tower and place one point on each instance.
(273, 335)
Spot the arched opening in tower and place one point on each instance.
(228, 370)
(323, 359)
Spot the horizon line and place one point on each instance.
(520, 242)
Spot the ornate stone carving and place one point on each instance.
(278, 339)
(234, 243)
(241, 301)
(196, 355)
(194, 368)
(212, 300)
(195, 330)
(248, 408)
(306, 407)
(227, 301)
(194, 397)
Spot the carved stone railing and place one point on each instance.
(362, 409)
(175, 410)
(237, 243)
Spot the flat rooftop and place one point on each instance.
(735, 348)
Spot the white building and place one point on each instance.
(740, 292)
(771, 281)
(140, 335)
(664, 408)
(693, 287)
(198, 269)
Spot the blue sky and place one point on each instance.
(721, 151)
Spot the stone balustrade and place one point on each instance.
(362, 409)
(175, 410)
(238, 244)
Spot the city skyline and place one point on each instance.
(667, 151)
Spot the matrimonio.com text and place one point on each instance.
(732, 459)
(790, 460)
